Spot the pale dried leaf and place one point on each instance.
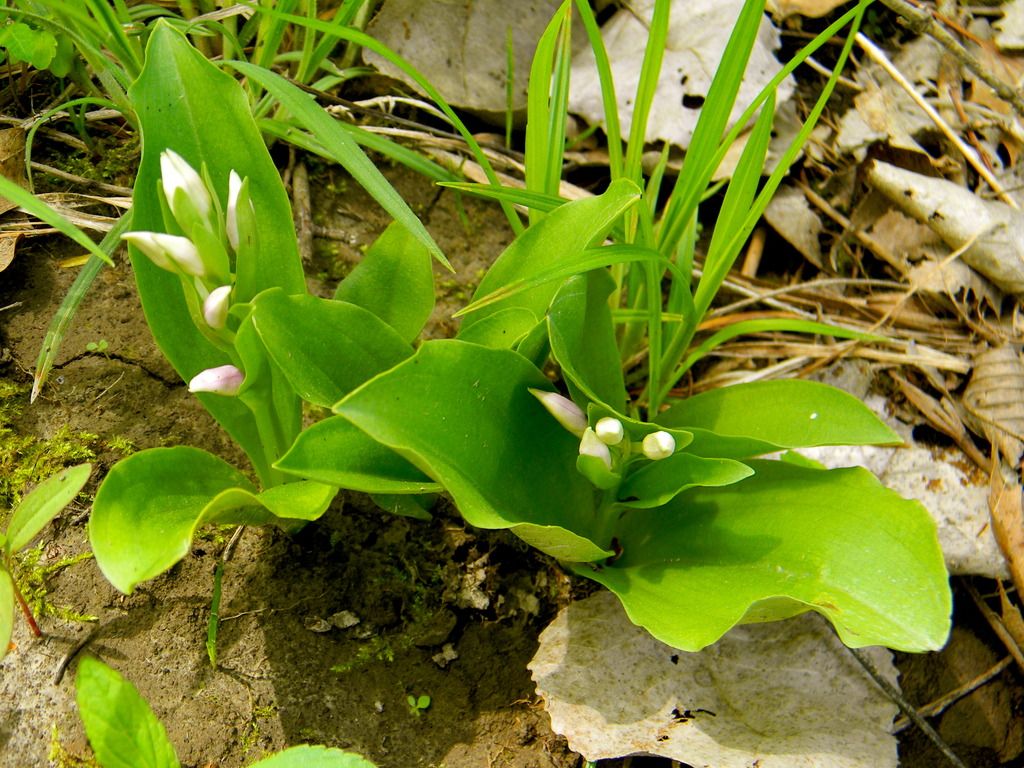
(949, 278)
(8, 245)
(884, 112)
(994, 398)
(460, 47)
(1010, 613)
(991, 231)
(791, 216)
(777, 695)
(814, 9)
(1010, 28)
(699, 30)
(1008, 524)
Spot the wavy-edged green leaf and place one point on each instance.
(583, 338)
(342, 148)
(786, 540)
(123, 731)
(44, 502)
(186, 104)
(309, 756)
(658, 482)
(149, 506)
(7, 603)
(464, 415)
(336, 451)
(768, 416)
(560, 238)
(325, 348)
(394, 281)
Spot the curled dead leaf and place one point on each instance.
(994, 400)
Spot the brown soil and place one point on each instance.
(442, 610)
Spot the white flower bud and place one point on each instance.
(567, 413)
(231, 216)
(591, 445)
(177, 174)
(609, 431)
(222, 380)
(216, 306)
(169, 252)
(659, 445)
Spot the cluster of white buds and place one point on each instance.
(608, 432)
(200, 257)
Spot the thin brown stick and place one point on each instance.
(941, 704)
(997, 624)
(907, 708)
(921, 22)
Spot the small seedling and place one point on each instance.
(418, 704)
(97, 346)
(30, 517)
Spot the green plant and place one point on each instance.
(673, 509)
(26, 520)
(124, 732)
(98, 347)
(665, 501)
(418, 704)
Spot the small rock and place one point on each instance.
(317, 624)
(446, 656)
(344, 619)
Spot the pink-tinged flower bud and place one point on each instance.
(216, 306)
(169, 252)
(591, 445)
(659, 445)
(609, 431)
(222, 380)
(177, 174)
(565, 411)
(231, 216)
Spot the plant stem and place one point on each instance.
(36, 632)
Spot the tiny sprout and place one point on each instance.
(418, 704)
(659, 445)
(609, 431)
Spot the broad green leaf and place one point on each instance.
(325, 348)
(502, 330)
(561, 237)
(774, 415)
(186, 104)
(149, 506)
(416, 506)
(464, 415)
(335, 451)
(24, 43)
(657, 482)
(7, 605)
(786, 540)
(394, 281)
(122, 730)
(44, 502)
(342, 148)
(583, 338)
(308, 756)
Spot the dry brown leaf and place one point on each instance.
(994, 399)
(1004, 504)
(813, 9)
(791, 216)
(1011, 615)
(8, 244)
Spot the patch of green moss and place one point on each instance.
(61, 757)
(26, 460)
(32, 576)
(114, 161)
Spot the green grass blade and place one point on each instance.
(650, 70)
(69, 306)
(768, 325)
(604, 75)
(342, 148)
(33, 205)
